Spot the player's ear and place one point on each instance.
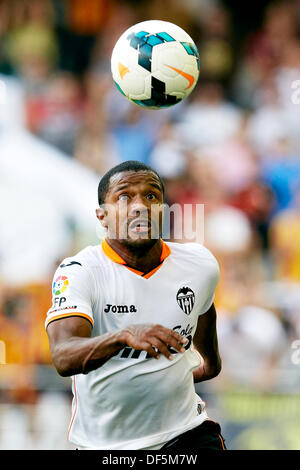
(101, 214)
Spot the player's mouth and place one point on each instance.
(140, 226)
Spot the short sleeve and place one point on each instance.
(212, 275)
(71, 292)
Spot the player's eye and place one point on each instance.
(123, 197)
(151, 196)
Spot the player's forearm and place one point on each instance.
(206, 343)
(81, 355)
(211, 363)
(208, 369)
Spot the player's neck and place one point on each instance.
(144, 259)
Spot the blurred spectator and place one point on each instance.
(257, 201)
(286, 74)
(80, 23)
(263, 51)
(21, 323)
(95, 145)
(135, 135)
(242, 277)
(268, 123)
(279, 27)
(259, 337)
(125, 15)
(215, 47)
(285, 241)
(281, 171)
(237, 156)
(32, 45)
(87, 17)
(174, 11)
(210, 119)
(56, 114)
(227, 231)
(168, 157)
(201, 185)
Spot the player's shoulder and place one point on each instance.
(192, 249)
(83, 261)
(194, 253)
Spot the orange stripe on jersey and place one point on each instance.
(111, 253)
(222, 442)
(116, 258)
(66, 315)
(140, 273)
(146, 276)
(165, 252)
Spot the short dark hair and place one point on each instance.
(129, 165)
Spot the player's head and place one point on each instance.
(128, 166)
(131, 196)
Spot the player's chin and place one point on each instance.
(139, 239)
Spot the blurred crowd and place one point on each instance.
(233, 145)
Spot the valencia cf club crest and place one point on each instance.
(186, 299)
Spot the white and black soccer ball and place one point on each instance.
(155, 64)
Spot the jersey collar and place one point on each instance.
(116, 258)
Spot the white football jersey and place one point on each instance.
(134, 401)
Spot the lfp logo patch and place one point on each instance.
(60, 284)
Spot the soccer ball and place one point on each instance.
(155, 64)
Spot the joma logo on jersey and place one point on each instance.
(120, 308)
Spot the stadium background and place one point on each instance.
(234, 146)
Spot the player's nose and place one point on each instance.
(137, 207)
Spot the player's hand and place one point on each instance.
(146, 337)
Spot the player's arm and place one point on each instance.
(206, 343)
(74, 352)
